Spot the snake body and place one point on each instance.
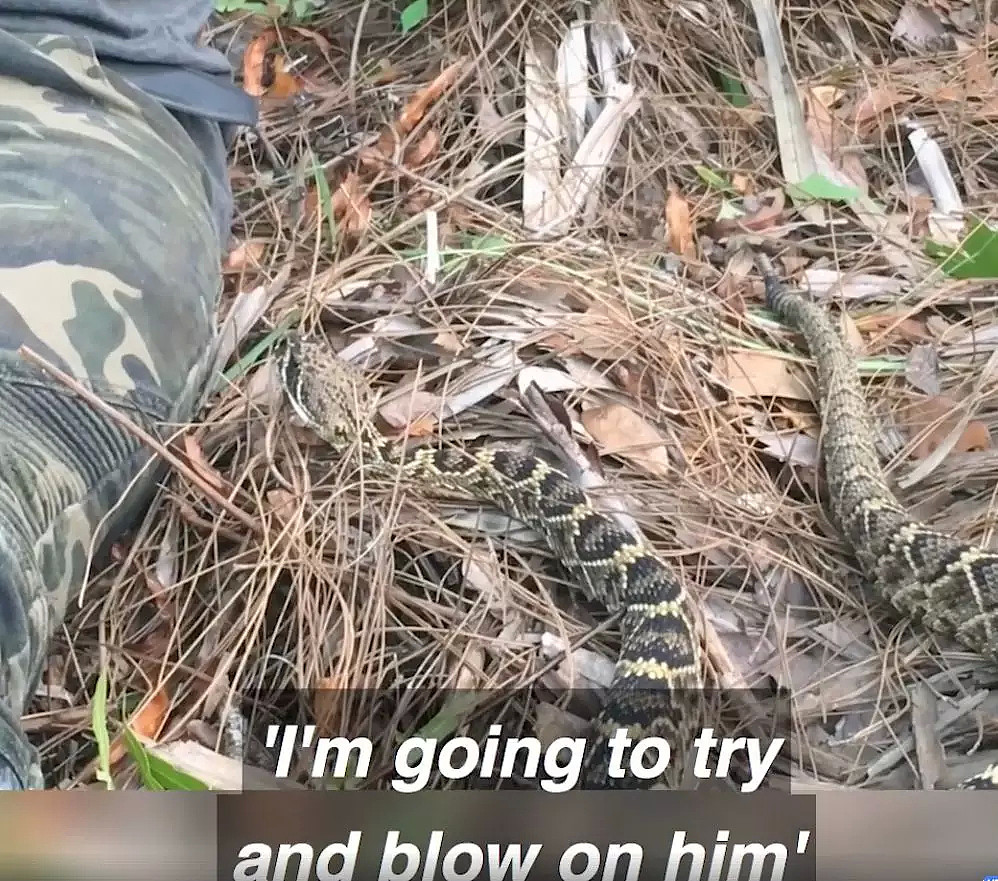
(948, 585)
(659, 666)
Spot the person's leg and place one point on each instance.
(109, 269)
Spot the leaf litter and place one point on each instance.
(587, 300)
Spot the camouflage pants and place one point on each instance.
(109, 269)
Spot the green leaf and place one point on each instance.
(415, 13)
(977, 257)
(157, 774)
(257, 6)
(172, 778)
(730, 211)
(252, 357)
(488, 245)
(325, 199)
(141, 758)
(733, 90)
(713, 179)
(451, 715)
(817, 186)
(302, 9)
(98, 721)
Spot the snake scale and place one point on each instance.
(950, 586)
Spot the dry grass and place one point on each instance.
(349, 585)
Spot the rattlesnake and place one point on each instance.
(658, 674)
(951, 586)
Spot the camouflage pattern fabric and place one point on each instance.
(109, 269)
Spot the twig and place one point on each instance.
(137, 431)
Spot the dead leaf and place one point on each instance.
(823, 282)
(602, 332)
(911, 330)
(933, 419)
(977, 73)
(851, 333)
(922, 369)
(679, 224)
(255, 62)
(196, 459)
(765, 217)
(758, 374)
(328, 704)
(147, 723)
(247, 308)
(246, 253)
(412, 114)
(876, 102)
(918, 26)
(417, 106)
(263, 388)
(387, 73)
(741, 183)
(448, 341)
(351, 206)
(795, 447)
(622, 432)
(419, 201)
(415, 413)
(325, 47)
(422, 151)
(282, 503)
(553, 722)
(638, 383)
(283, 84)
(832, 136)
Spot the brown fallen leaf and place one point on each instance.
(328, 704)
(638, 383)
(875, 103)
(448, 341)
(147, 722)
(418, 104)
(918, 27)
(621, 432)
(325, 47)
(933, 419)
(282, 503)
(351, 206)
(758, 374)
(909, 329)
(977, 72)
(602, 332)
(425, 149)
(742, 184)
(414, 413)
(412, 114)
(255, 62)
(196, 459)
(769, 214)
(831, 135)
(679, 224)
(248, 253)
(851, 333)
(283, 84)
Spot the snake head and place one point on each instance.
(289, 367)
(328, 394)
